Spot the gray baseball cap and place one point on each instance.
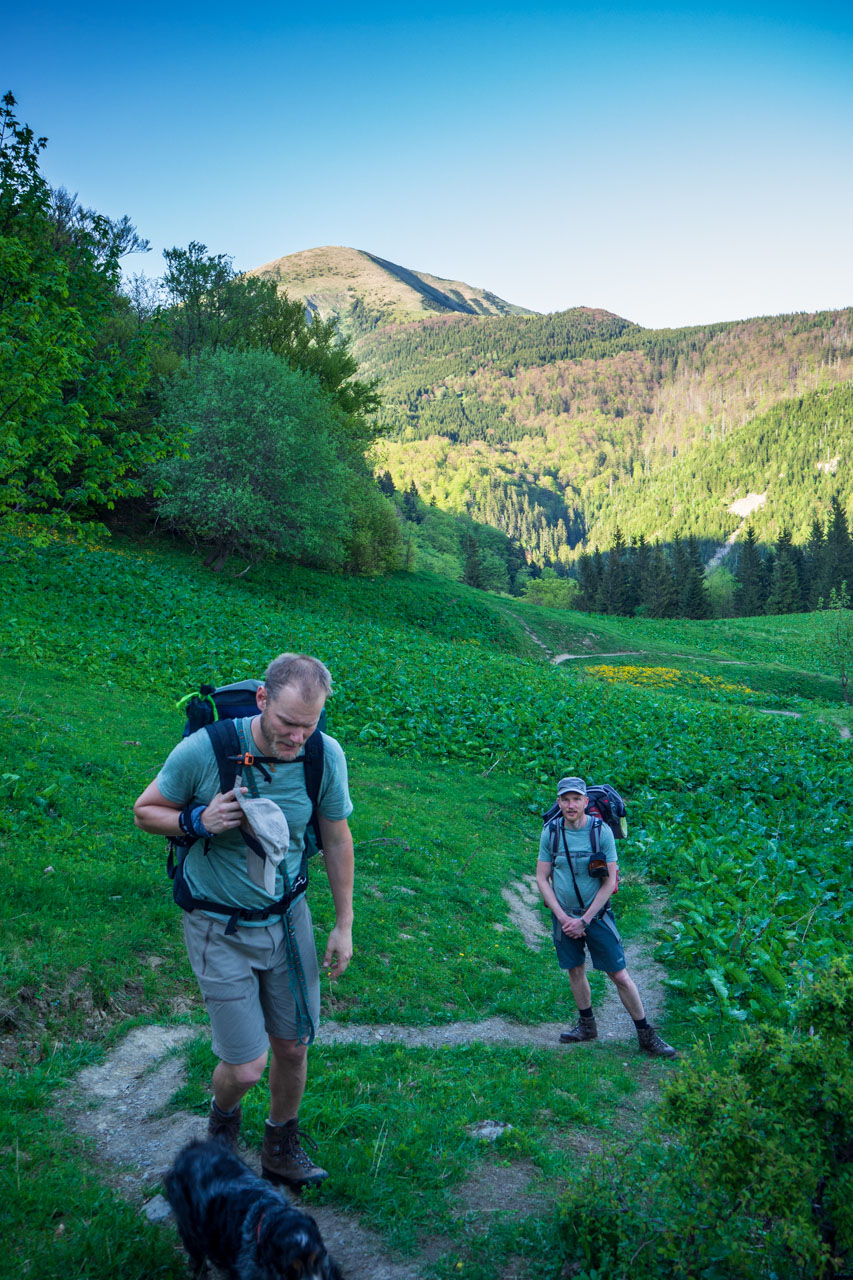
(571, 784)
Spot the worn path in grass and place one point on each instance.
(119, 1103)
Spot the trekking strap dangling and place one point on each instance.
(594, 833)
(305, 1029)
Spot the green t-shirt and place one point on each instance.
(577, 842)
(190, 776)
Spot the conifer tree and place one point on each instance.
(680, 571)
(838, 565)
(659, 594)
(411, 510)
(589, 578)
(473, 574)
(638, 560)
(750, 594)
(613, 593)
(696, 602)
(815, 556)
(785, 548)
(784, 593)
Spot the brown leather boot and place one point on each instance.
(283, 1158)
(584, 1029)
(652, 1043)
(224, 1126)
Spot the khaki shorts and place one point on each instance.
(245, 983)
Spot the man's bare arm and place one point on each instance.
(153, 812)
(339, 857)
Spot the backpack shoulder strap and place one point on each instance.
(315, 754)
(226, 745)
(314, 759)
(555, 826)
(595, 835)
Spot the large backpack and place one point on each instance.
(606, 807)
(215, 711)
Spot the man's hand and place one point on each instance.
(223, 813)
(573, 927)
(338, 951)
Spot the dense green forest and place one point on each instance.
(555, 429)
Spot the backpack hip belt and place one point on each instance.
(237, 915)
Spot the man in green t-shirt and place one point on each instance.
(582, 918)
(259, 977)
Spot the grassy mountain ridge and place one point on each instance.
(361, 290)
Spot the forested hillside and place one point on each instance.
(545, 426)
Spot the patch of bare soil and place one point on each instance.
(498, 1188)
(118, 1103)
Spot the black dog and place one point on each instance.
(232, 1218)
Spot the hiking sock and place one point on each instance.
(640, 1024)
(223, 1115)
(586, 1013)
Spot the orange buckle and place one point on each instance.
(248, 759)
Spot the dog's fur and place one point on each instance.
(232, 1218)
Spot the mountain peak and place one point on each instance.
(360, 288)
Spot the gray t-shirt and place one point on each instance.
(190, 776)
(577, 842)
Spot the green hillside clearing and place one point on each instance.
(455, 726)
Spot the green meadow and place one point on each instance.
(724, 737)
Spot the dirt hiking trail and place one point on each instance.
(119, 1104)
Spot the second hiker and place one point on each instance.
(582, 919)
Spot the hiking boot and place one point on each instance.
(652, 1043)
(584, 1029)
(224, 1126)
(283, 1158)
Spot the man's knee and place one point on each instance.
(621, 977)
(291, 1053)
(247, 1074)
(577, 971)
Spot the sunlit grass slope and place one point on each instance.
(456, 727)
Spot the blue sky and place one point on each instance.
(673, 166)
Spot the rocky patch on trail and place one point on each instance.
(522, 898)
(620, 653)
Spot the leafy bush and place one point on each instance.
(556, 593)
(270, 466)
(756, 1179)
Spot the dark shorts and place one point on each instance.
(601, 938)
(245, 982)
